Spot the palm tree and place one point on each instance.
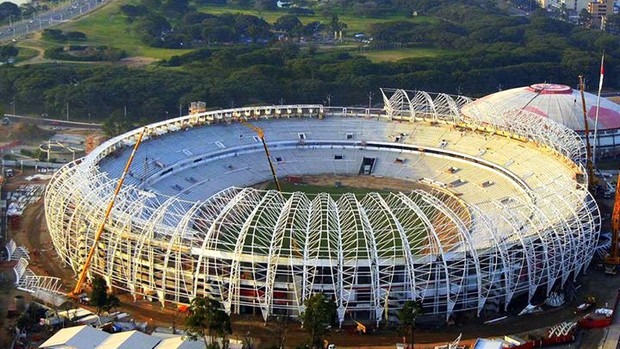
(407, 315)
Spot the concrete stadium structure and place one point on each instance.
(506, 212)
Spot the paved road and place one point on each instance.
(53, 122)
(20, 28)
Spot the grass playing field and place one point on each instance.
(312, 190)
(354, 23)
(395, 55)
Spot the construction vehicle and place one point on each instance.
(360, 329)
(261, 134)
(75, 294)
(588, 302)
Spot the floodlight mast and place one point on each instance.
(261, 134)
(78, 286)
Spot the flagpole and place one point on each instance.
(598, 106)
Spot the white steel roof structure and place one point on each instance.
(560, 103)
(497, 209)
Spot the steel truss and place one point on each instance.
(268, 251)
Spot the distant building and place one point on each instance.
(600, 10)
(576, 5)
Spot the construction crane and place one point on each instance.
(589, 165)
(261, 135)
(613, 259)
(78, 286)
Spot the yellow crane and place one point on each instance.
(613, 259)
(78, 286)
(261, 134)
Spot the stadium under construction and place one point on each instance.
(500, 208)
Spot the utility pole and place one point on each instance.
(370, 100)
(67, 111)
(329, 100)
(180, 110)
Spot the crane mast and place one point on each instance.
(613, 259)
(78, 286)
(261, 134)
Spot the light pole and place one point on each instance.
(369, 99)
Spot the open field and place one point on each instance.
(338, 185)
(312, 190)
(396, 55)
(354, 23)
(107, 26)
(25, 54)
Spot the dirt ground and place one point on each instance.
(33, 234)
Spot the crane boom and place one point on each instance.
(261, 134)
(78, 286)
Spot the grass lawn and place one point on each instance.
(26, 53)
(312, 190)
(107, 26)
(395, 55)
(354, 23)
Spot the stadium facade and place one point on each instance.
(498, 209)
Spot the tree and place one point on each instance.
(317, 317)
(281, 330)
(407, 315)
(111, 302)
(98, 294)
(613, 24)
(289, 24)
(585, 18)
(336, 25)
(9, 9)
(8, 51)
(206, 318)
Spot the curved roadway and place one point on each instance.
(18, 29)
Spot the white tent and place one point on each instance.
(78, 337)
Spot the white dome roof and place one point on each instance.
(560, 103)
